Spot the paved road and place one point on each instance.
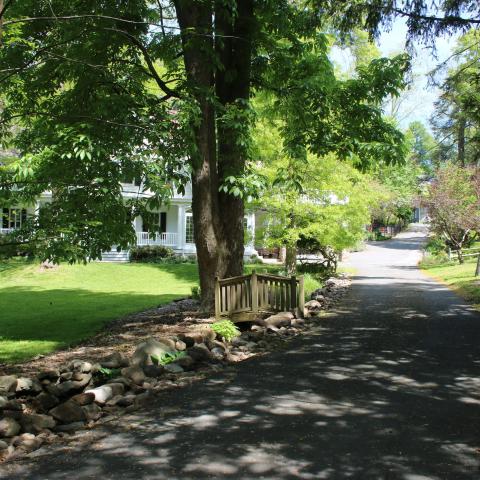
(387, 388)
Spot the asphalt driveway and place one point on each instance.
(387, 387)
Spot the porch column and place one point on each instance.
(250, 246)
(181, 227)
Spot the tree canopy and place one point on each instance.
(95, 92)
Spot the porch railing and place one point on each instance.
(4, 231)
(258, 292)
(168, 239)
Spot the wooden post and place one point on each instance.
(254, 284)
(301, 297)
(217, 299)
(293, 293)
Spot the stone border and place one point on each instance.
(79, 394)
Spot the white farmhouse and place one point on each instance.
(175, 221)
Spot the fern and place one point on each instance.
(226, 329)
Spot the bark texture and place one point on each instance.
(214, 30)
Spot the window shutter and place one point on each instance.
(5, 217)
(163, 222)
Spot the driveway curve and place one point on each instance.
(387, 387)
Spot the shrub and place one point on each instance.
(226, 329)
(151, 253)
(435, 246)
(196, 293)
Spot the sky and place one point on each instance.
(418, 103)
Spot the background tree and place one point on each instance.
(162, 90)
(454, 206)
(456, 120)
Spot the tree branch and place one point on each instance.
(447, 19)
(151, 67)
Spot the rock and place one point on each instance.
(3, 445)
(84, 398)
(144, 398)
(92, 411)
(173, 368)
(187, 339)
(48, 375)
(68, 412)
(124, 381)
(80, 366)
(298, 322)
(244, 317)
(125, 401)
(185, 362)
(115, 360)
(28, 386)
(9, 427)
(27, 442)
(8, 384)
(313, 306)
(106, 392)
(153, 371)
(14, 405)
(282, 319)
(218, 353)
(69, 427)
(69, 386)
(180, 345)
(199, 352)
(145, 350)
(35, 423)
(45, 401)
(3, 402)
(135, 374)
(66, 375)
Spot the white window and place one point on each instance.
(13, 217)
(189, 228)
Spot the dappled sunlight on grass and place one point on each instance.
(44, 309)
(460, 278)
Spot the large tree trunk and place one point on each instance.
(461, 142)
(217, 217)
(291, 260)
(234, 50)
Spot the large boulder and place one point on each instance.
(84, 398)
(78, 382)
(92, 411)
(200, 352)
(51, 375)
(45, 401)
(80, 366)
(28, 386)
(134, 373)
(35, 423)
(106, 392)
(8, 384)
(68, 412)
(143, 354)
(9, 427)
(313, 307)
(281, 319)
(114, 360)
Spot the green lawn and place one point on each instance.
(41, 311)
(459, 278)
